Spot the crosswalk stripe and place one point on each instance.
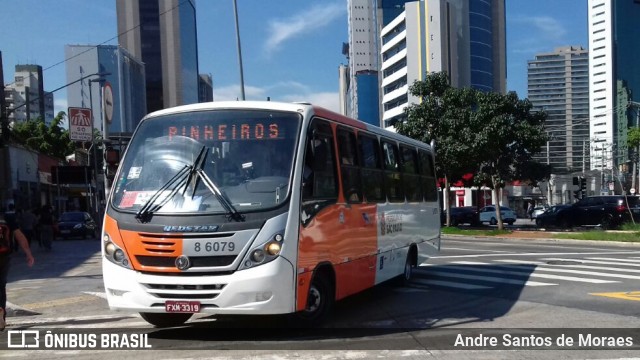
(581, 272)
(450, 284)
(594, 261)
(489, 279)
(615, 259)
(592, 267)
(531, 274)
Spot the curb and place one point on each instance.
(547, 239)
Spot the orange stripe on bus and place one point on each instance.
(345, 236)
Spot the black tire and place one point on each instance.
(510, 222)
(406, 276)
(320, 301)
(454, 222)
(538, 223)
(607, 223)
(163, 320)
(564, 223)
(493, 221)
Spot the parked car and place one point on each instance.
(548, 217)
(606, 211)
(488, 215)
(76, 223)
(538, 210)
(462, 215)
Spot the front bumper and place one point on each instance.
(264, 289)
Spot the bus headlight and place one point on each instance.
(258, 256)
(273, 248)
(114, 253)
(265, 252)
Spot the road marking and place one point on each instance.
(59, 302)
(98, 294)
(594, 262)
(581, 272)
(490, 279)
(629, 295)
(592, 267)
(450, 284)
(539, 254)
(528, 274)
(614, 259)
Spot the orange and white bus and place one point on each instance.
(263, 208)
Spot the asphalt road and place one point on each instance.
(500, 287)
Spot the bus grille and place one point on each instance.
(166, 291)
(201, 261)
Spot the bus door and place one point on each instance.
(358, 233)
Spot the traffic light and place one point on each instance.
(577, 194)
(112, 159)
(583, 187)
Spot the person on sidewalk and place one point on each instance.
(8, 230)
(46, 227)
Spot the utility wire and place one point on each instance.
(106, 41)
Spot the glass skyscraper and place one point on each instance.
(162, 34)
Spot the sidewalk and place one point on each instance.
(66, 272)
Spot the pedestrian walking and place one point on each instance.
(46, 227)
(28, 224)
(8, 230)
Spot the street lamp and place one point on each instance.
(92, 149)
(235, 11)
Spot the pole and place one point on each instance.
(549, 192)
(235, 11)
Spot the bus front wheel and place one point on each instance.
(165, 320)
(319, 302)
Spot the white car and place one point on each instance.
(538, 210)
(488, 215)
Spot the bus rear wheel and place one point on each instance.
(406, 276)
(165, 320)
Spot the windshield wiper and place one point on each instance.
(185, 176)
(186, 173)
(233, 212)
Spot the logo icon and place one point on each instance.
(23, 338)
(182, 262)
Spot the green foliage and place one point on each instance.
(633, 137)
(489, 134)
(51, 140)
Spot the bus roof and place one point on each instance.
(301, 107)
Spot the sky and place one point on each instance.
(291, 49)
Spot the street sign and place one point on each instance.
(80, 124)
(108, 103)
(632, 191)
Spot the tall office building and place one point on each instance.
(466, 39)
(614, 78)
(363, 100)
(162, 34)
(123, 78)
(25, 97)
(558, 83)
(205, 88)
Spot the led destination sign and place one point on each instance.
(224, 132)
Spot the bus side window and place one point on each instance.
(372, 175)
(349, 166)
(319, 179)
(410, 177)
(393, 181)
(428, 176)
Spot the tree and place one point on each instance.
(511, 134)
(445, 115)
(51, 140)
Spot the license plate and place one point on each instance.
(210, 248)
(172, 306)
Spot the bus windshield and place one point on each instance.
(241, 160)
